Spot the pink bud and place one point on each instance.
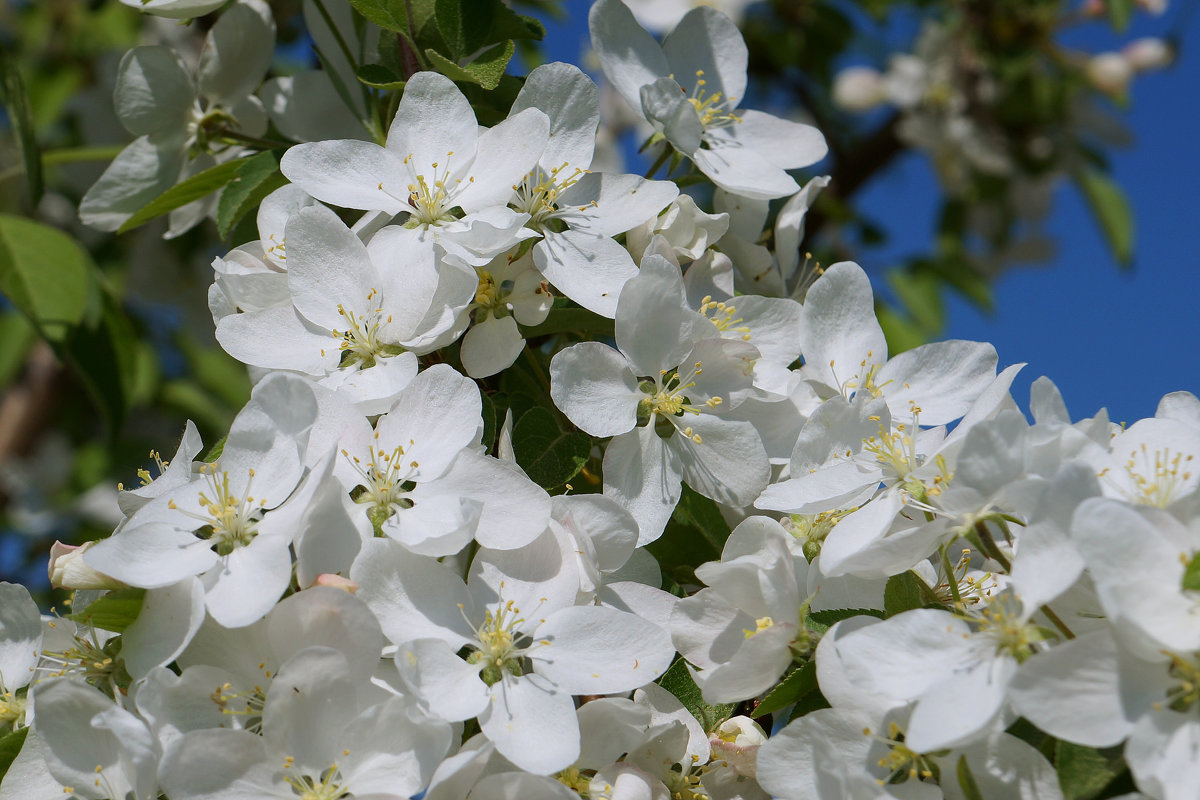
(336, 581)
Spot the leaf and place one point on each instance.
(114, 612)
(387, 14)
(16, 102)
(549, 456)
(54, 283)
(215, 451)
(904, 592)
(678, 681)
(486, 71)
(199, 185)
(45, 274)
(1120, 12)
(379, 76)
(796, 685)
(966, 780)
(10, 748)
(575, 320)
(1111, 209)
(821, 621)
(1191, 574)
(1083, 772)
(256, 178)
(920, 294)
(699, 512)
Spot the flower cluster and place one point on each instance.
(362, 591)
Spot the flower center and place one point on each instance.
(386, 481)
(1184, 693)
(1003, 623)
(1157, 478)
(715, 110)
(327, 786)
(12, 711)
(431, 199)
(813, 528)
(538, 194)
(667, 398)
(229, 521)
(361, 341)
(901, 761)
(87, 659)
(721, 315)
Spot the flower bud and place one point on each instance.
(1148, 53)
(336, 581)
(1109, 72)
(68, 571)
(736, 742)
(858, 89)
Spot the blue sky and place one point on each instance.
(1107, 337)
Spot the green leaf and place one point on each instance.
(10, 748)
(904, 592)
(549, 456)
(1083, 772)
(821, 621)
(256, 178)
(678, 681)
(114, 612)
(387, 14)
(699, 512)
(16, 336)
(966, 780)
(920, 293)
(1111, 209)
(574, 320)
(798, 683)
(16, 101)
(1120, 12)
(215, 451)
(46, 274)
(485, 71)
(379, 76)
(199, 185)
(900, 332)
(1191, 574)
(54, 283)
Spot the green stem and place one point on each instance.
(658, 162)
(990, 548)
(76, 155)
(1056, 622)
(240, 138)
(951, 578)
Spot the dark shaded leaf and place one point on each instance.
(202, 184)
(16, 102)
(791, 689)
(114, 612)
(549, 456)
(255, 179)
(678, 681)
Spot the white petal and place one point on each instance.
(593, 385)
(839, 328)
(628, 54)
(654, 326)
(349, 173)
(621, 201)
(20, 636)
(491, 346)
(589, 268)
(598, 650)
(237, 52)
(169, 617)
(572, 102)
(532, 724)
(741, 171)
(154, 91)
(645, 477)
(433, 120)
(707, 45)
(141, 172)
(446, 683)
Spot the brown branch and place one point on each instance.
(27, 405)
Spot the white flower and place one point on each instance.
(436, 160)
(671, 371)
(690, 89)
